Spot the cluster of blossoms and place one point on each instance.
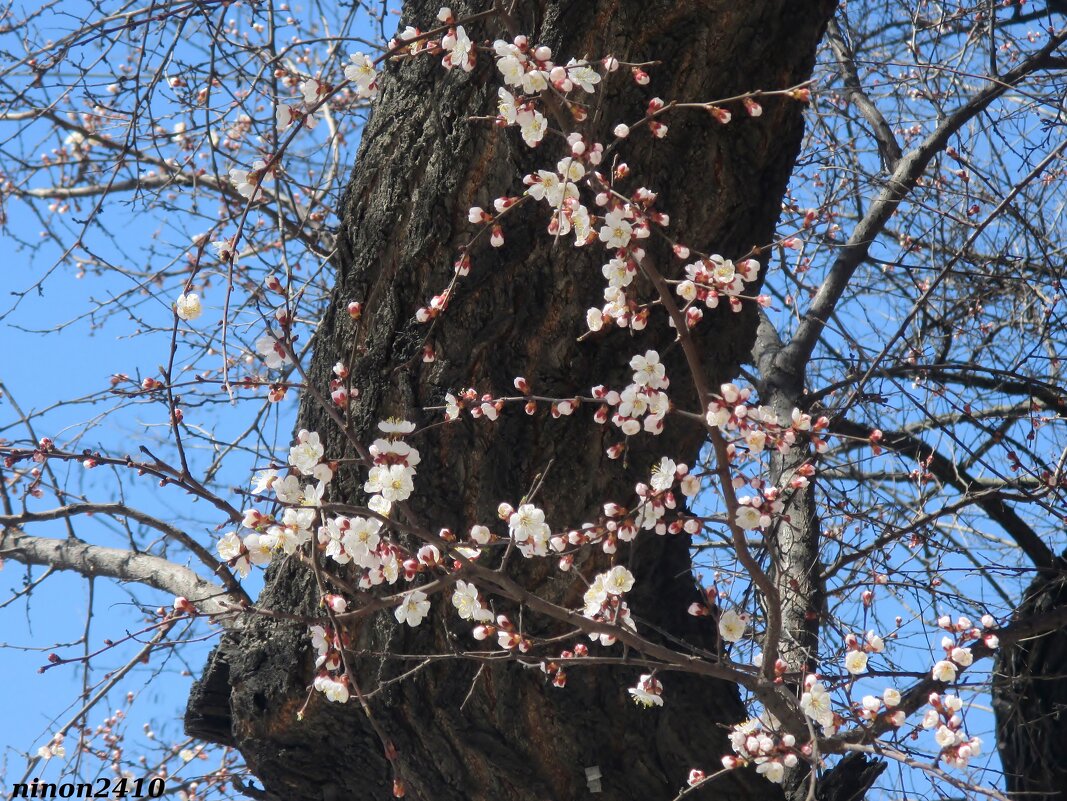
(958, 655)
(528, 529)
(479, 406)
(559, 191)
(603, 602)
(816, 703)
(759, 428)
(392, 477)
(530, 70)
(756, 741)
(313, 92)
(556, 672)
(653, 501)
(346, 540)
(302, 498)
(620, 223)
(714, 277)
(358, 541)
(54, 748)
(642, 405)
(339, 392)
(459, 51)
(857, 652)
(871, 707)
(507, 634)
(327, 647)
(944, 719)
(625, 224)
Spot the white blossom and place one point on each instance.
(307, 453)
(944, 671)
(732, 626)
(413, 609)
(856, 662)
(363, 74)
(188, 307)
(617, 231)
(648, 692)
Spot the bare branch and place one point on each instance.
(793, 357)
(97, 560)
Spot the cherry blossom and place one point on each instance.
(944, 671)
(532, 125)
(732, 625)
(583, 75)
(617, 231)
(962, 656)
(284, 116)
(334, 690)
(772, 770)
(507, 107)
(459, 50)
(663, 475)
(360, 539)
(312, 89)
(468, 606)
(856, 662)
(392, 482)
(618, 581)
(273, 352)
(748, 517)
(648, 691)
(187, 307)
(815, 703)
(413, 609)
(648, 372)
(363, 74)
(529, 530)
(307, 453)
(395, 426)
(248, 182)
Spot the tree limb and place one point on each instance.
(796, 354)
(97, 560)
(122, 510)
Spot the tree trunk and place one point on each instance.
(1030, 697)
(463, 730)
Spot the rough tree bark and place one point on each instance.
(1030, 697)
(464, 731)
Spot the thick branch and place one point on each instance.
(97, 560)
(883, 134)
(122, 510)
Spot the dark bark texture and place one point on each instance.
(463, 730)
(1030, 697)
